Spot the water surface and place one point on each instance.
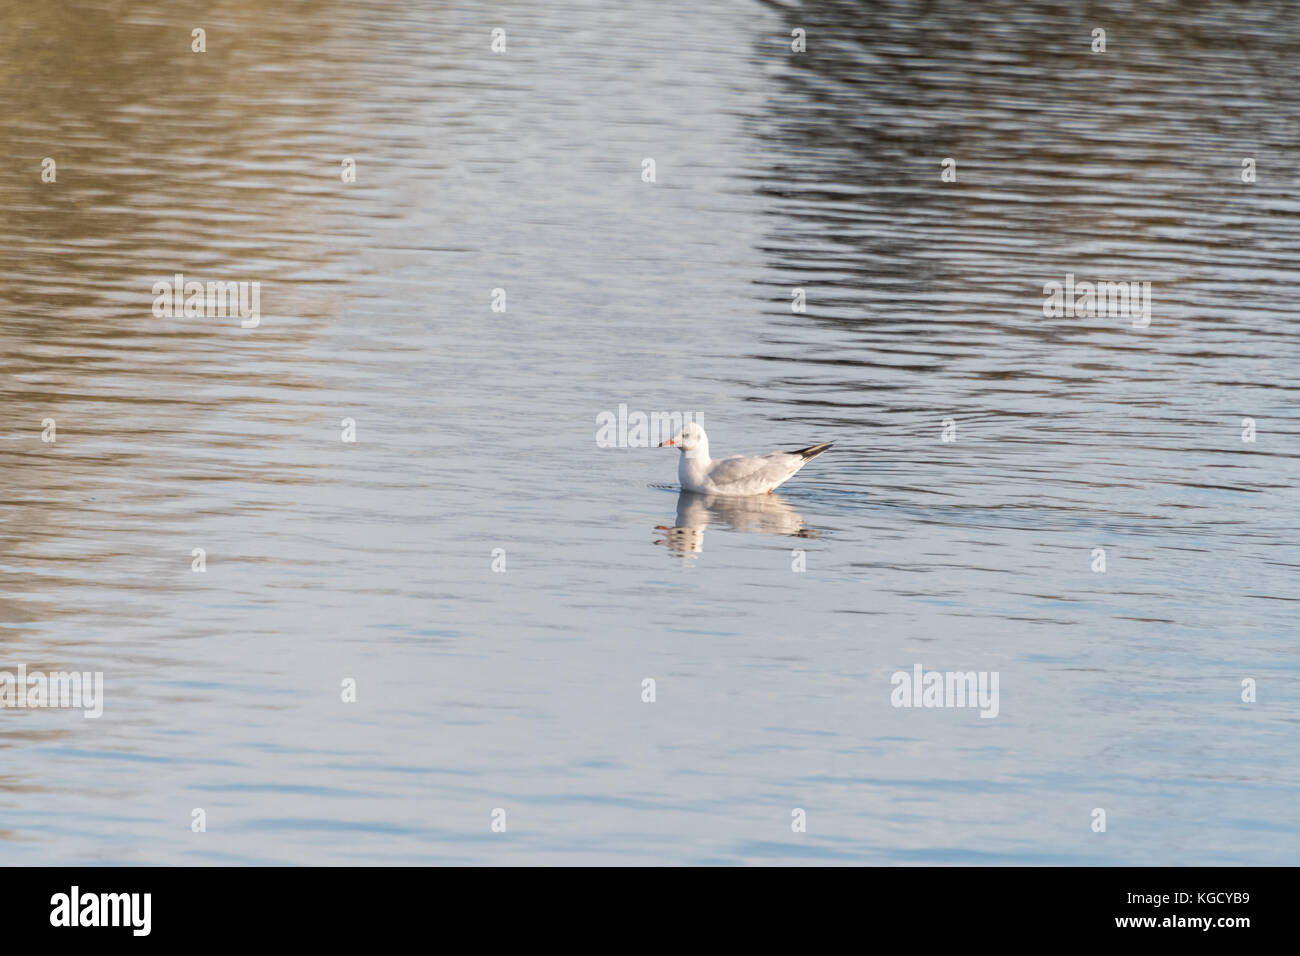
(522, 689)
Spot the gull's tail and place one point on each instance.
(812, 451)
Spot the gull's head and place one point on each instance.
(689, 438)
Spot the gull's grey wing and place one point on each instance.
(729, 471)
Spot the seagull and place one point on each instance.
(737, 476)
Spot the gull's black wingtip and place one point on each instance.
(812, 451)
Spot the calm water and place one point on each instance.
(476, 429)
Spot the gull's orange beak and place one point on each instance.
(668, 441)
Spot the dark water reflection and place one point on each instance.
(521, 688)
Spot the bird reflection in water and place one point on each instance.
(768, 514)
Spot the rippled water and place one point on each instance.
(475, 430)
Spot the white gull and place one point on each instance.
(737, 476)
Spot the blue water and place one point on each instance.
(521, 689)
